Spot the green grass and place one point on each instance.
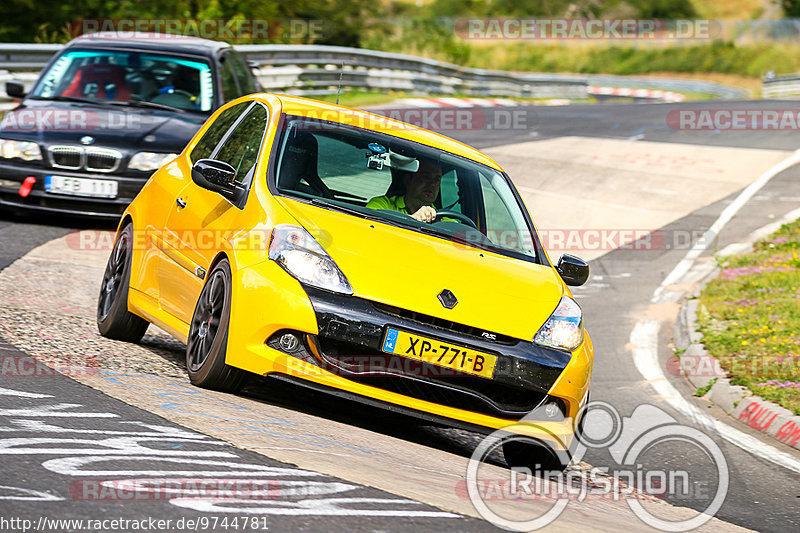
(702, 391)
(753, 320)
(428, 39)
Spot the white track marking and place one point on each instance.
(22, 394)
(727, 214)
(644, 337)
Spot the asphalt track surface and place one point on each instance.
(762, 496)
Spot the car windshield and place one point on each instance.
(375, 175)
(132, 76)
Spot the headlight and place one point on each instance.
(149, 160)
(300, 255)
(27, 151)
(564, 328)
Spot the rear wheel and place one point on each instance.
(208, 335)
(113, 318)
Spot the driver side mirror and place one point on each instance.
(219, 177)
(15, 89)
(573, 270)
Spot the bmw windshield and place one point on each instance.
(404, 183)
(93, 75)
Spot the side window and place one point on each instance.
(501, 223)
(247, 82)
(241, 148)
(230, 89)
(205, 146)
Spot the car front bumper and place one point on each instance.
(12, 177)
(335, 329)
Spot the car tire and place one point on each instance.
(208, 335)
(530, 453)
(113, 318)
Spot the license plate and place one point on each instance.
(80, 186)
(439, 353)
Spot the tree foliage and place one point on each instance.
(346, 22)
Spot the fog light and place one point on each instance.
(289, 342)
(551, 410)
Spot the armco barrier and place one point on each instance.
(316, 69)
(780, 87)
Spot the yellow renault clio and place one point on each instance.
(356, 255)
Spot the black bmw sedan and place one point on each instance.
(105, 113)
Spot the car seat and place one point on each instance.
(299, 165)
(99, 80)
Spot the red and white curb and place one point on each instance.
(655, 94)
(445, 101)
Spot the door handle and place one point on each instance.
(181, 202)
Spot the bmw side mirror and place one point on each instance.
(219, 177)
(573, 270)
(15, 89)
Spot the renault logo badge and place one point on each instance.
(448, 299)
(87, 139)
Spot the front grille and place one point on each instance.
(446, 325)
(430, 382)
(70, 157)
(492, 399)
(102, 159)
(91, 159)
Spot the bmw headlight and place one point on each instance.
(293, 248)
(27, 151)
(564, 328)
(149, 160)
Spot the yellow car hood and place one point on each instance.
(407, 269)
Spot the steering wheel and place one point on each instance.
(452, 214)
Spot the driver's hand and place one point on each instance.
(425, 214)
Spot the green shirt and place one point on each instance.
(394, 203)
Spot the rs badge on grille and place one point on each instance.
(448, 299)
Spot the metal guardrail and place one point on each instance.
(780, 87)
(316, 69)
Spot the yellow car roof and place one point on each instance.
(296, 105)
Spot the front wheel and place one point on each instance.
(208, 335)
(526, 452)
(113, 318)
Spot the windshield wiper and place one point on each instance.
(143, 103)
(68, 99)
(325, 203)
(455, 237)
